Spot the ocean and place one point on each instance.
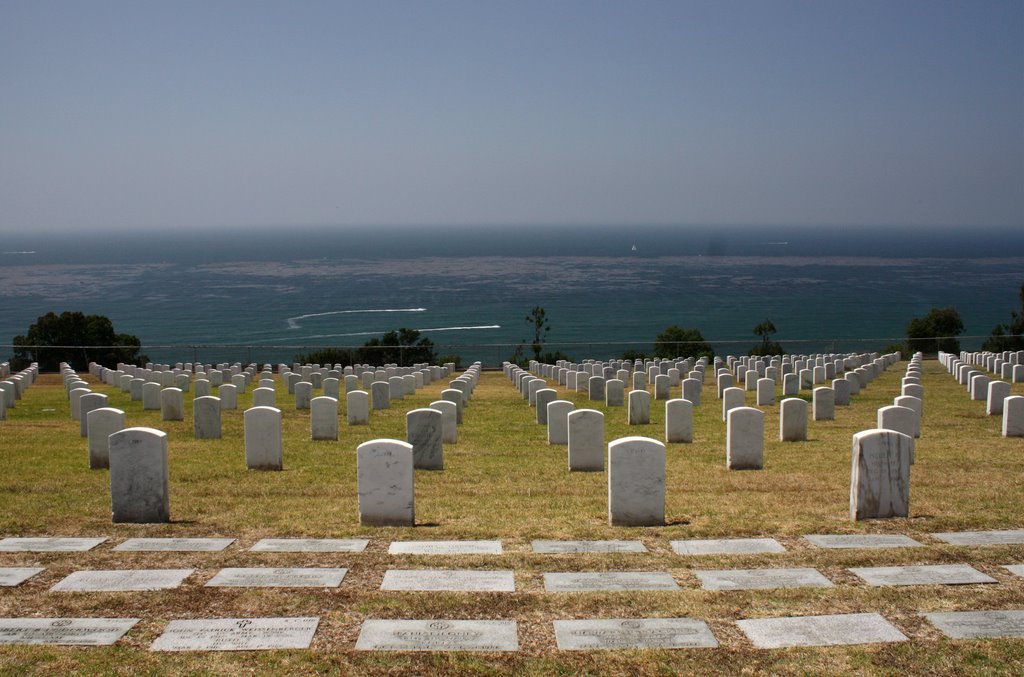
(266, 295)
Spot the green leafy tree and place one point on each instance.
(75, 338)
(676, 341)
(403, 347)
(768, 346)
(1009, 336)
(936, 331)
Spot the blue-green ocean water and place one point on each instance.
(267, 295)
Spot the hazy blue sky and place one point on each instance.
(162, 114)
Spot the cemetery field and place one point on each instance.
(503, 482)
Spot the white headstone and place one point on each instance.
(423, 432)
(636, 482)
(385, 483)
(139, 482)
(880, 477)
(206, 417)
(263, 445)
(678, 421)
(745, 439)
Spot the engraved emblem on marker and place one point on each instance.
(440, 625)
(63, 623)
(243, 624)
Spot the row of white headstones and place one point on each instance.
(138, 457)
(993, 392)
(636, 465)
(13, 386)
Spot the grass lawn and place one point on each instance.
(503, 481)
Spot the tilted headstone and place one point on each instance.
(384, 470)
(263, 444)
(636, 482)
(880, 477)
(139, 481)
(745, 439)
(586, 440)
(423, 432)
(793, 420)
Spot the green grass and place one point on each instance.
(503, 481)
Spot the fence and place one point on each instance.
(490, 355)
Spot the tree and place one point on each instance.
(77, 339)
(936, 331)
(403, 347)
(342, 356)
(539, 321)
(1008, 336)
(768, 346)
(676, 341)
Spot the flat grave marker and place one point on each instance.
(863, 541)
(560, 547)
(445, 548)
(932, 574)
(639, 633)
(450, 580)
(310, 545)
(54, 544)
(174, 544)
(234, 577)
(761, 579)
(14, 576)
(726, 546)
(438, 635)
(1005, 537)
(979, 624)
(128, 580)
(830, 630)
(597, 581)
(72, 631)
(1017, 569)
(237, 634)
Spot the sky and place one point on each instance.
(160, 116)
